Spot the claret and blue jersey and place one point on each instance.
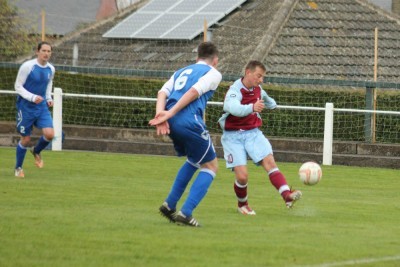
(238, 107)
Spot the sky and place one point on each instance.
(62, 16)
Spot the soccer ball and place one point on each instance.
(310, 173)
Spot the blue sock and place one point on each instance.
(20, 155)
(182, 179)
(198, 191)
(41, 144)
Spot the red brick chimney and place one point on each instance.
(107, 8)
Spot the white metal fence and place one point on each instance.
(329, 111)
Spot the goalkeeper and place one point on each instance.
(241, 137)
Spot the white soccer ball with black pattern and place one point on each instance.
(310, 173)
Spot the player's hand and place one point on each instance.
(160, 118)
(163, 128)
(259, 105)
(38, 99)
(50, 103)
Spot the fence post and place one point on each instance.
(328, 135)
(75, 55)
(369, 105)
(57, 120)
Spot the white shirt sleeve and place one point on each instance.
(168, 86)
(208, 82)
(233, 102)
(22, 75)
(50, 85)
(269, 102)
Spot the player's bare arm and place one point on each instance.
(186, 99)
(162, 128)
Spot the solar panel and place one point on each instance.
(172, 19)
(223, 6)
(188, 6)
(160, 26)
(158, 5)
(189, 29)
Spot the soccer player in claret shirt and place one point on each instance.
(179, 112)
(241, 136)
(33, 85)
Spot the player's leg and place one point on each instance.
(182, 179)
(200, 152)
(44, 122)
(21, 149)
(240, 188)
(24, 128)
(236, 159)
(278, 180)
(260, 151)
(184, 175)
(197, 192)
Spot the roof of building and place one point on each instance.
(336, 39)
(329, 39)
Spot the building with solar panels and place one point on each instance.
(312, 39)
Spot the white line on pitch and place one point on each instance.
(354, 262)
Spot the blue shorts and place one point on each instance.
(240, 144)
(191, 139)
(27, 118)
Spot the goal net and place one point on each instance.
(89, 64)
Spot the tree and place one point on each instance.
(14, 39)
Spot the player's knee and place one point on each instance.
(49, 136)
(269, 163)
(241, 174)
(211, 165)
(48, 133)
(215, 169)
(25, 140)
(242, 178)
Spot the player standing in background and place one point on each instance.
(179, 112)
(33, 85)
(241, 136)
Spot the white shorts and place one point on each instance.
(240, 144)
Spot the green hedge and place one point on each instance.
(280, 123)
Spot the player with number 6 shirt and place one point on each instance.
(180, 107)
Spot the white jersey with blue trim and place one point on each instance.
(34, 80)
(201, 76)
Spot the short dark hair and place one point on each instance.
(207, 50)
(43, 43)
(253, 64)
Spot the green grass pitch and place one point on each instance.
(101, 209)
